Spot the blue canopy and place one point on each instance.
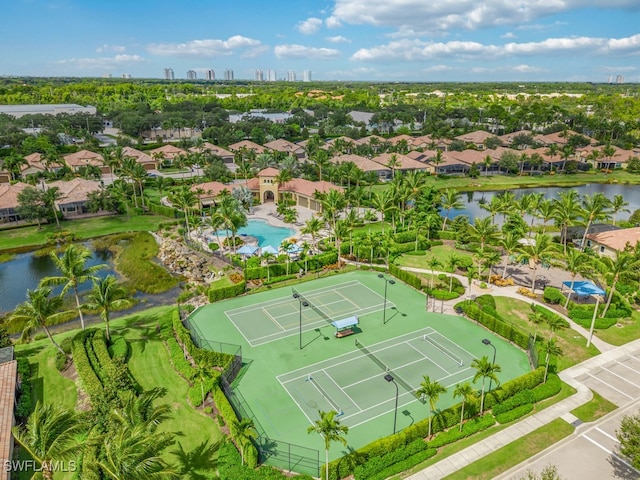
(585, 288)
(247, 250)
(269, 249)
(293, 248)
(345, 322)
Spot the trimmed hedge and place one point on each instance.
(549, 389)
(25, 401)
(495, 323)
(90, 381)
(203, 358)
(119, 348)
(519, 399)
(486, 301)
(313, 263)
(514, 414)
(181, 364)
(407, 277)
(439, 294)
(553, 295)
(216, 294)
(469, 428)
(282, 278)
(375, 465)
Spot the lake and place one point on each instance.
(472, 200)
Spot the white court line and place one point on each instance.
(368, 419)
(375, 376)
(238, 329)
(289, 333)
(620, 377)
(294, 401)
(273, 319)
(463, 380)
(607, 435)
(356, 306)
(610, 386)
(425, 357)
(355, 404)
(452, 342)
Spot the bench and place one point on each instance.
(344, 333)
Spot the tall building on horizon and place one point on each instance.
(271, 76)
(168, 74)
(259, 76)
(192, 75)
(291, 76)
(126, 75)
(228, 74)
(306, 76)
(210, 75)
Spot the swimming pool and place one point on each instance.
(265, 233)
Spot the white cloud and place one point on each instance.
(528, 69)
(439, 68)
(309, 53)
(104, 63)
(333, 22)
(509, 35)
(628, 68)
(443, 15)
(110, 48)
(309, 26)
(338, 39)
(416, 50)
(205, 48)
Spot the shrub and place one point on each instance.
(65, 345)
(24, 404)
(439, 294)
(181, 364)
(216, 294)
(553, 296)
(520, 398)
(119, 348)
(486, 301)
(279, 279)
(203, 358)
(90, 380)
(374, 465)
(61, 361)
(514, 414)
(495, 323)
(549, 389)
(469, 428)
(407, 277)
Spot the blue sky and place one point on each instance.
(374, 40)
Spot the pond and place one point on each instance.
(25, 271)
(473, 200)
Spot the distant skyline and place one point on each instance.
(369, 40)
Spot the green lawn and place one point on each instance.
(629, 331)
(573, 344)
(30, 237)
(593, 410)
(151, 367)
(518, 451)
(441, 252)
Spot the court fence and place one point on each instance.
(532, 352)
(281, 454)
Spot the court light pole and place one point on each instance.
(301, 303)
(387, 281)
(486, 341)
(389, 378)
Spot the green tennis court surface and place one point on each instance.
(285, 385)
(279, 318)
(353, 384)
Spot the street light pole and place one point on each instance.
(389, 378)
(486, 341)
(387, 281)
(301, 303)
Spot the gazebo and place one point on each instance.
(586, 289)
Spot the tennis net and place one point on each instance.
(301, 297)
(443, 349)
(384, 367)
(325, 395)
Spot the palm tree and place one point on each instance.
(623, 266)
(595, 208)
(453, 262)
(550, 348)
(433, 263)
(383, 202)
(50, 436)
(493, 207)
(555, 323)
(483, 230)
(468, 394)
(618, 205)
(545, 212)
(540, 250)
(73, 272)
(50, 196)
(577, 262)
(451, 200)
(138, 176)
(485, 369)
(183, 198)
(566, 212)
(432, 391)
(510, 244)
(244, 431)
(312, 227)
(105, 296)
(329, 428)
(39, 311)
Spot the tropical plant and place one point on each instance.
(623, 266)
(451, 200)
(73, 272)
(576, 262)
(467, 393)
(485, 369)
(183, 199)
(541, 249)
(550, 348)
(105, 296)
(432, 391)
(618, 204)
(595, 208)
(50, 436)
(244, 431)
(484, 231)
(329, 428)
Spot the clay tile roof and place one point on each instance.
(617, 239)
(247, 144)
(479, 136)
(282, 145)
(307, 187)
(76, 190)
(404, 162)
(212, 149)
(9, 194)
(82, 158)
(268, 172)
(168, 151)
(211, 189)
(362, 163)
(141, 157)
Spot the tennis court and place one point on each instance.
(353, 384)
(279, 318)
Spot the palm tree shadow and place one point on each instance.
(621, 469)
(146, 335)
(201, 459)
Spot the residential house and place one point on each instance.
(247, 145)
(166, 154)
(9, 201)
(211, 149)
(83, 158)
(476, 138)
(286, 147)
(610, 243)
(209, 191)
(403, 163)
(364, 164)
(75, 196)
(144, 159)
(560, 138)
